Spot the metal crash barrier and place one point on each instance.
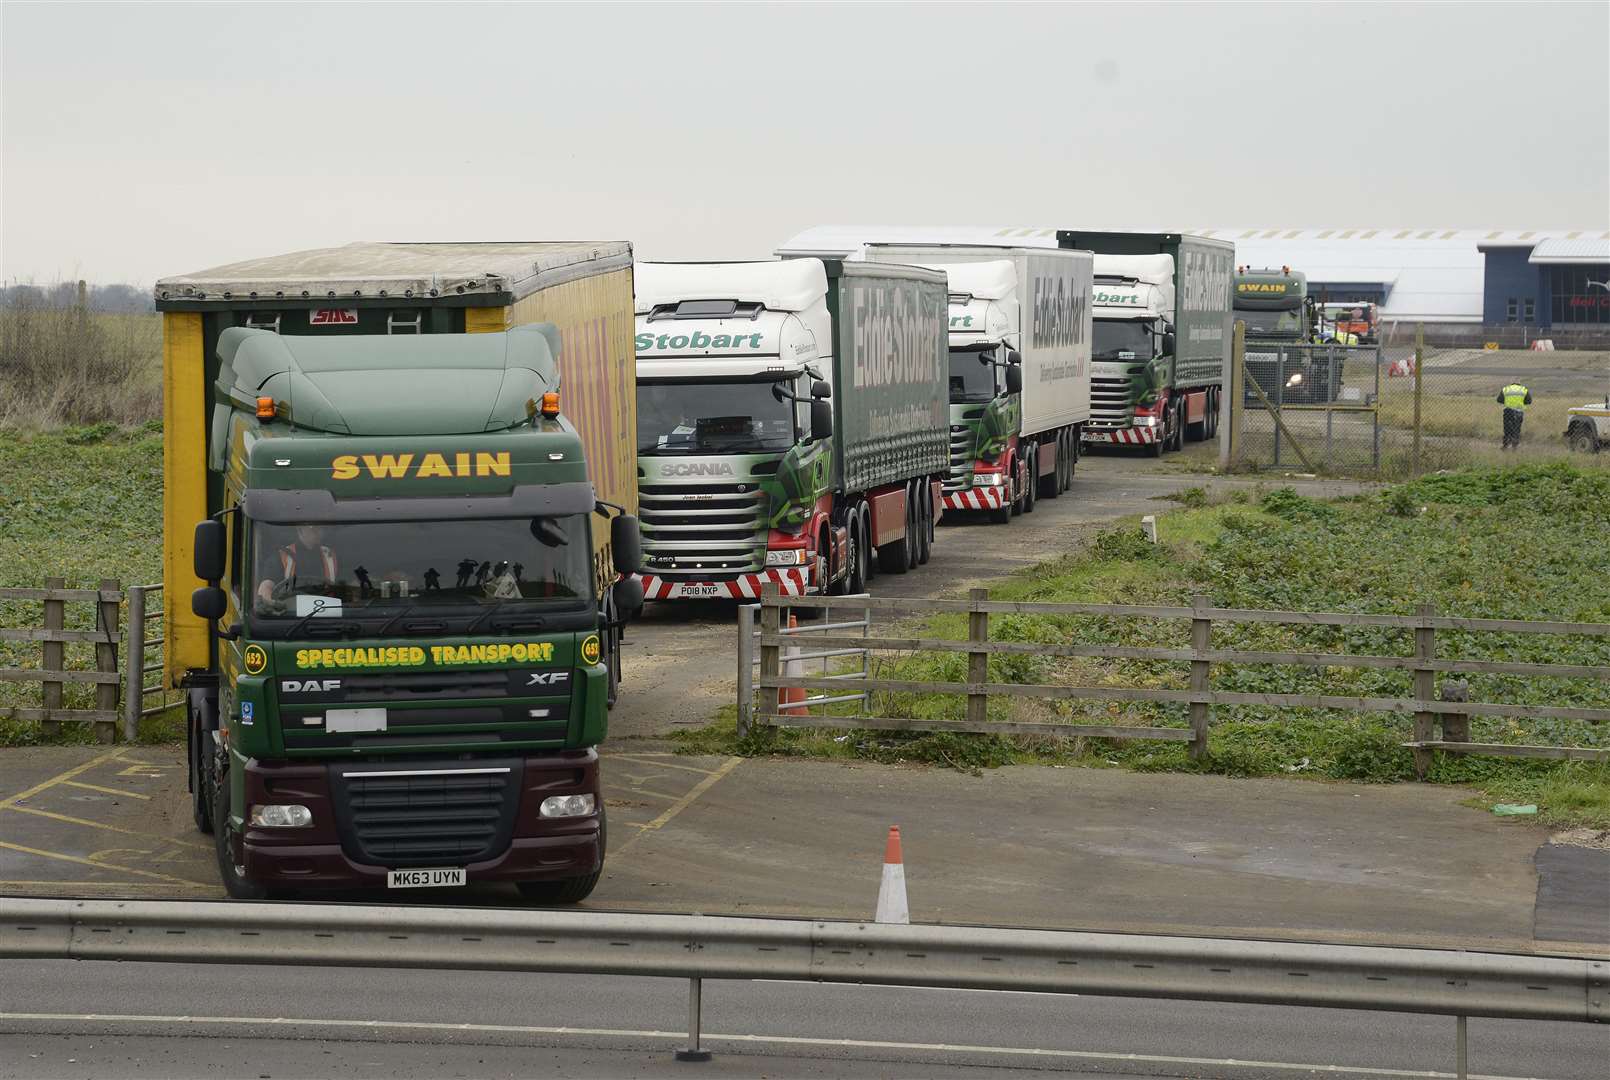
(694, 947)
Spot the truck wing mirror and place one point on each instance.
(626, 543)
(820, 389)
(1168, 343)
(209, 602)
(210, 551)
(1014, 357)
(1014, 379)
(821, 420)
(628, 594)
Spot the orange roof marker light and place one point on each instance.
(550, 404)
(266, 409)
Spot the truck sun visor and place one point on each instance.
(298, 506)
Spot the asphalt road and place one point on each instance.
(91, 1019)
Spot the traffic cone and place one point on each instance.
(793, 668)
(892, 906)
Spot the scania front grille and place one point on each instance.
(703, 531)
(393, 815)
(961, 458)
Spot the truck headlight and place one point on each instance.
(993, 479)
(566, 806)
(279, 816)
(786, 557)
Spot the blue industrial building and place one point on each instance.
(1559, 282)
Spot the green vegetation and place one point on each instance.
(1524, 542)
(82, 504)
(63, 365)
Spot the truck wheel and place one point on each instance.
(1031, 479)
(1019, 478)
(570, 890)
(236, 884)
(200, 741)
(1003, 516)
(869, 564)
(925, 521)
(1155, 449)
(913, 522)
(1178, 442)
(855, 573)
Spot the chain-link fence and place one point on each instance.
(1400, 409)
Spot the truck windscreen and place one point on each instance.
(972, 375)
(1265, 322)
(1121, 339)
(713, 417)
(378, 568)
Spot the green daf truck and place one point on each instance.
(395, 484)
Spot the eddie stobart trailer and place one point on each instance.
(1162, 309)
(400, 487)
(1019, 369)
(792, 426)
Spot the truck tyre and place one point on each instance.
(925, 523)
(1020, 477)
(913, 525)
(570, 890)
(199, 744)
(1031, 479)
(855, 580)
(1155, 449)
(869, 564)
(236, 884)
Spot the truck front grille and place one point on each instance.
(392, 815)
(1112, 402)
(960, 476)
(700, 531)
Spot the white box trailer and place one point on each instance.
(1008, 448)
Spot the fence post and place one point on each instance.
(53, 657)
(1238, 392)
(134, 664)
(106, 612)
(977, 662)
(1425, 688)
(1419, 357)
(771, 624)
(1201, 677)
(1229, 404)
(1455, 726)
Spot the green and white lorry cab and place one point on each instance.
(1019, 369)
(404, 636)
(1274, 304)
(1161, 304)
(791, 424)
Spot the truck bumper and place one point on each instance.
(792, 580)
(978, 498)
(1134, 436)
(329, 854)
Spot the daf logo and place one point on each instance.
(697, 468)
(309, 686)
(547, 678)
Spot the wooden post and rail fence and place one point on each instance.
(1426, 706)
(56, 673)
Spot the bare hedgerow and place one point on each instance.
(69, 365)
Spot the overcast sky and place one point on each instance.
(145, 140)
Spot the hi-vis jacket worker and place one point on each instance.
(306, 560)
(1514, 398)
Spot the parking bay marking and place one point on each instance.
(45, 785)
(105, 790)
(69, 819)
(681, 804)
(81, 861)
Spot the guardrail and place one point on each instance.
(1427, 708)
(695, 947)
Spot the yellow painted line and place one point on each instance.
(102, 825)
(652, 794)
(78, 886)
(654, 759)
(97, 865)
(143, 771)
(681, 804)
(44, 785)
(105, 790)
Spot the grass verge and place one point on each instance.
(1521, 542)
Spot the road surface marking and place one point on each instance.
(8, 845)
(681, 804)
(655, 760)
(12, 800)
(109, 828)
(145, 770)
(80, 885)
(105, 790)
(780, 1040)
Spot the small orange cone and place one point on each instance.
(793, 668)
(892, 907)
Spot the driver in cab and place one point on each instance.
(304, 563)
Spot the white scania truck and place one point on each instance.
(791, 426)
(1020, 337)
